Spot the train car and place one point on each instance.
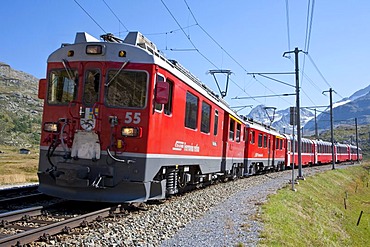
(307, 152)
(323, 152)
(342, 152)
(353, 153)
(233, 146)
(122, 123)
(264, 149)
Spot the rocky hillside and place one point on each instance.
(21, 110)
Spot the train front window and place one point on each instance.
(126, 88)
(62, 86)
(91, 89)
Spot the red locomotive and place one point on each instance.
(122, 123)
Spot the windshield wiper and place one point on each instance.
(119, 71)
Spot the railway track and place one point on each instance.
(21, 197)
(32, 224)
(18, 191)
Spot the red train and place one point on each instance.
(122, 123)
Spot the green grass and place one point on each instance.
(315, 215)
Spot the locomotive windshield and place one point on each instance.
(126, 88)
(62, 86)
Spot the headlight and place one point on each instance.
(94, 49)
(130, 131)
(51, 127)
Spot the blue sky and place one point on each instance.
(253, 36)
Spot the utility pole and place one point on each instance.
(331, 126)
(316, 132)
(358, 158)
(298, 119)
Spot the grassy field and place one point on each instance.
(323, 212)
(17, 168)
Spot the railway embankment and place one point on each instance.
(329, 209)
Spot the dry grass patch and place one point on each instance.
(18, 168)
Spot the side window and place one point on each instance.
(252, 137)
(281, 144)
(168, 107)
(191, 111)
(215, 125)
(260, 140)
(238, 131)
(205, 120)
(157, 106)
(232, 129)
(264, 141)
(277, 144)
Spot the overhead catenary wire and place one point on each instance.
(119, 20)
(309, 19)
(287, 22)
(195, 47)
(90, 16)
(187, 36)
(168, 32)
(228, 54)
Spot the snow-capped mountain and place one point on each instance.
(280, 119)
(345, 111)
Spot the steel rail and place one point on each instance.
(55, 227)
(18, 214)
(18, 198)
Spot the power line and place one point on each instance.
(182, 29)
(309, 21)
(191, 12)
(287, 22)
(195, 47)
(90, 16)
(169, 32)
(214, 40)
(308, 32)
(115, 15)
(317, 69)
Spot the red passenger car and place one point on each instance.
(342, 152)
(323, 152)
(307, 152)
(264, 149)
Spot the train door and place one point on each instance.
(315, 147)
(274, 143)
(269, 151)
(288, 151)
(228, 137)
(89, 109)
(162, 121)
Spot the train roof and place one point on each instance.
(262, 127)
